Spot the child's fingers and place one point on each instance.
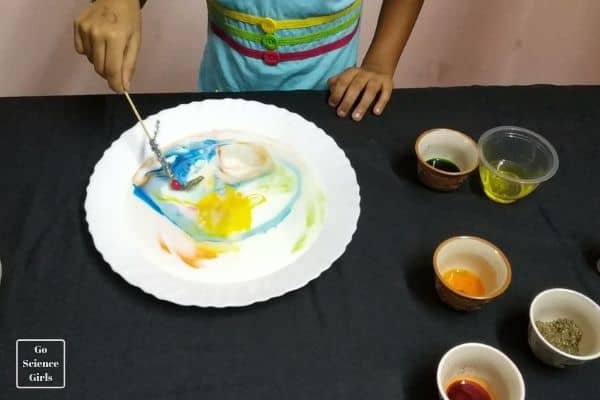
(373, 87)
(342, 82)
(332, 81)
(85, 41)
(384, 97)
(113, 64)
(129, 60)
(99, 53)
(79, 32)
(354, 90)
(77, 39)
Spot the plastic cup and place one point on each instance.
(514, 161)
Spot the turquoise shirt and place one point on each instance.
(225, 69)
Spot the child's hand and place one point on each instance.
(366, 83)
(108, 33)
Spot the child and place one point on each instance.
(266, 45)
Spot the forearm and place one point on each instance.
(395, 23)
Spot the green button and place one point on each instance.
(270, 42)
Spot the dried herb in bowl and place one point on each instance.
(562, 333)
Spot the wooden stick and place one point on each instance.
(137, 114)
(153, 145)
(159, 156)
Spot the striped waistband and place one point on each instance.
(269, 25)
(273, 58)
(272, 41)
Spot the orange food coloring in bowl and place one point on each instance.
(464, 281)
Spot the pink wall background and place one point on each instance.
(455, 42)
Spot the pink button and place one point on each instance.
(271, 57)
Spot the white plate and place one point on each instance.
(120, 223)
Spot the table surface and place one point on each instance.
(371, 327)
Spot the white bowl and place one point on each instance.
(564, 303)
(484, 364)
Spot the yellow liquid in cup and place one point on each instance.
(500, 189)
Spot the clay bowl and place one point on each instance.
(448, 145)
(478, 256)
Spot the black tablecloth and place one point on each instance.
(371, 327)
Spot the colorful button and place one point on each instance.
(268, 25)
(271, 57)
(270, 42)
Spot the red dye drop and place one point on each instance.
(464, 389)
(175, 185)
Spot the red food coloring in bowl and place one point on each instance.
(467, 390)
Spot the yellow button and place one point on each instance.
(268, 25)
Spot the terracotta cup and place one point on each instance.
(483, 364)
(557, 303)
(475, 255)
(449, 145)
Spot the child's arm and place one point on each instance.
(374, 77)
(108, 32)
